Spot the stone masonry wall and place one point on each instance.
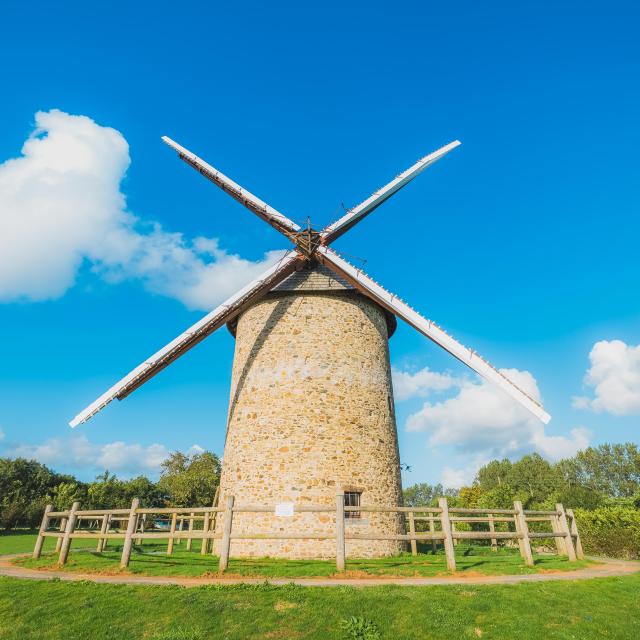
(311, 412)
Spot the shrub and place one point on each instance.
(359, 629)
(610, 531)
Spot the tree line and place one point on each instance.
(26, 486)
(604, 476)
(608, 475)
(601, 484)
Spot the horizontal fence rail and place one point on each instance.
(443, 522)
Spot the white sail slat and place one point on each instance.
(355, 215)
(222, 314)
(270, 215)
(431, 330)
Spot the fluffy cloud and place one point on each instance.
(61, 205)
(419, 384)
(483, 421)
(1, 434)
(456, 478)
(77, 452)
(615, 377)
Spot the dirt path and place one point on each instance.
(606, 569)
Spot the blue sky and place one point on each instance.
(522, 243)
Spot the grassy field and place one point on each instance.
(151, 559)
(603, 608)
(52, 610)
(20, 541)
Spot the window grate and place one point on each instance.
(352, 499)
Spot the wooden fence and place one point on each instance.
(443, 522)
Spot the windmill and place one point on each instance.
(311, 408)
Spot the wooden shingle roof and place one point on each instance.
(314, 278)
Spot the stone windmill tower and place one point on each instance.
(311, 408)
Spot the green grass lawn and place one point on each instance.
(151, 559)
(52, 610)
(21, 541)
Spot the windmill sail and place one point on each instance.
(307, 249)
(244, 197)
(353, 216)
(222, 314)
(432, 331)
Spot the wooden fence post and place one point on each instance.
(213, 519)
(172, 530)
(190, 527)
(68, 530)
(412, 532)
(63, 526)
(128, 539)
(523, 530)
(140, 526)
(573, 527)
(564, 528)
(432, 529)
(446, 531)
(105, 540)
(212, 528)
(492, 528)
(103, 530)
(453, 530)
(37, 550)
(561, 547)
(225, 547)
(205, 527)
(340, 546)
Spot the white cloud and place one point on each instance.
(195, 449)
(615, 377)
(1, 434)
(131, 458)
(482, 420)
(61, 205)
(456, 478)
(419, 384)
(77, 452)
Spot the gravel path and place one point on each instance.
(605, 569)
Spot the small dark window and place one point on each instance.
(352, 499)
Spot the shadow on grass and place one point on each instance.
(151, 559)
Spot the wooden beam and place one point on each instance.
(492, 529)
(172, 530)
(128, 539)
(523, 530)
(225, 547)
(564, 528)
(340, 544)
(412, 531)
(37, 550)
(573, 527)
(446, 530)
(103, 530)
(66, 540)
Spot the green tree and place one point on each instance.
(611, 469)
(534, 479)
(500, 497)
(66, 493)
(494, 474)
(26, 486)
(469, 497)
(189, 481)
(107, 492)
(426, 495)
(148, 492)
